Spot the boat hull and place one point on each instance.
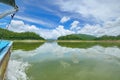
(4, 59)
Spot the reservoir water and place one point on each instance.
(64, 61)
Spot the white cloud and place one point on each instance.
(99, 9)
(74, 25)
(64, 19)
(111, 28)
(55, 33)
(103, 11)
(20, 26)
(91, 29)
(37, 21)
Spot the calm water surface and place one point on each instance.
(64, 61)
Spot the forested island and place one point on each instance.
(9, 35)
(88, 37)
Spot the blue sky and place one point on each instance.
(54, 18)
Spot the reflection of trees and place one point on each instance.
(88, 44)
(26, 46)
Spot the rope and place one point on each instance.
(2, 35)
(12, 16)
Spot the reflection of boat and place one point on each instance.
(5, 45)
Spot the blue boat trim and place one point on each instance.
(4, 47)
(3, 44)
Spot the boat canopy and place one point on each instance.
(9, 2)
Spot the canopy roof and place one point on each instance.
(9, 2)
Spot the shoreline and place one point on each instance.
(118, 41)
(29, 41)
(111, 41)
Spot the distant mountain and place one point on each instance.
(77, 37)
(6, 34)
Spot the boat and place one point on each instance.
(5, 45)
(5, 52)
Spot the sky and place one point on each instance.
(54, 18)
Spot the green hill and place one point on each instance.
(88, 37)
(105, 37)
(9, 35)
(77, 37)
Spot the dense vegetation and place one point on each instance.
(87, 37)
(9, 35)
(109, 37)
(77, 37)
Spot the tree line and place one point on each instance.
(88, 37)
(77, 37)
(105, 37)
(9, 35)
